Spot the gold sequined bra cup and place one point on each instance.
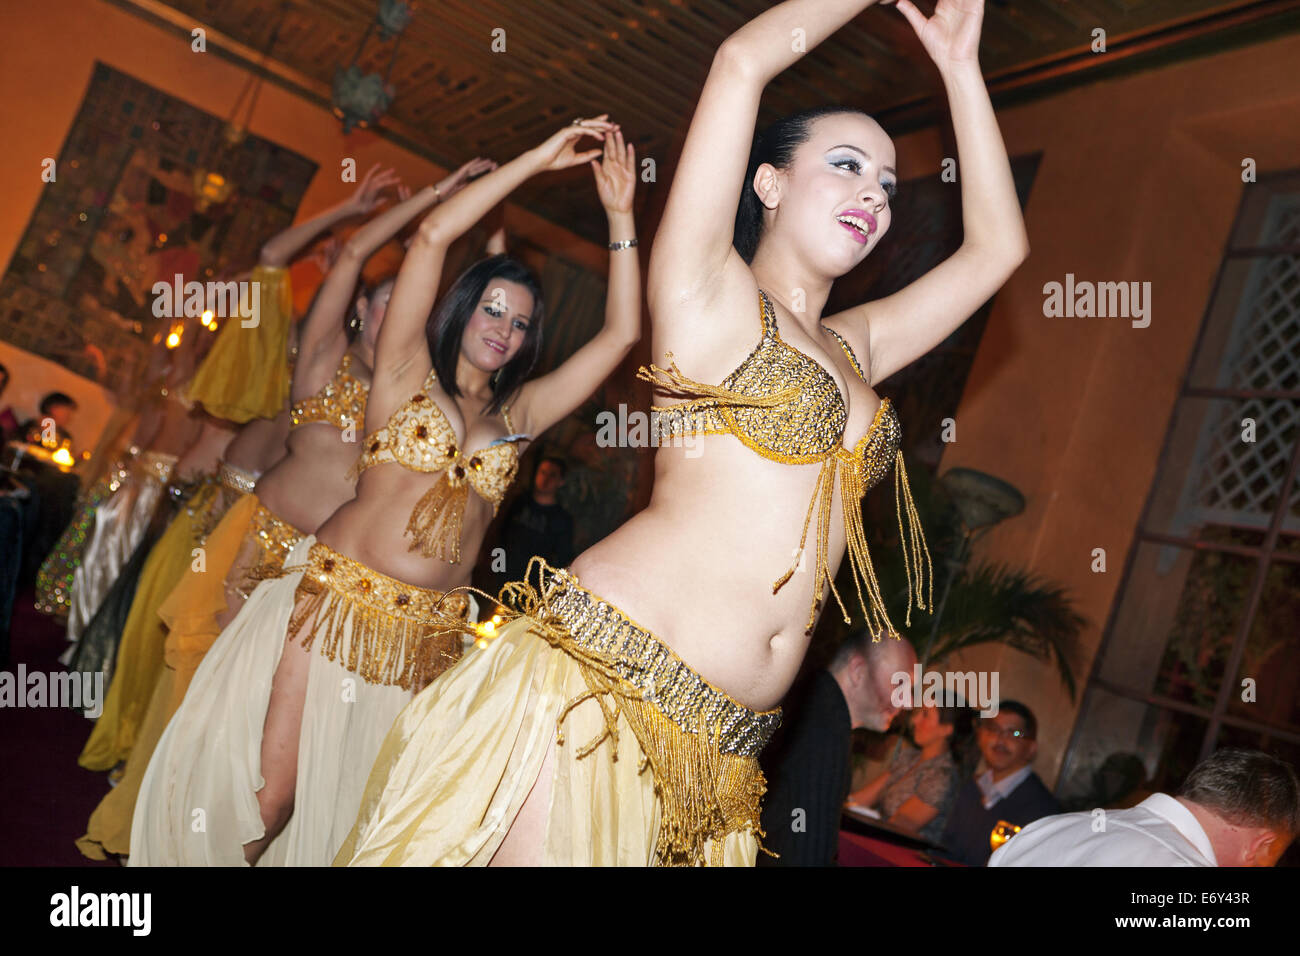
(785, 406)
(342, 402)
(419, 437)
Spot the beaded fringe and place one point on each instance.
(671, 381)
(386, 648)
(920, 575)
(435, 522)
(704, 794)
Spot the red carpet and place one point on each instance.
(45, 798)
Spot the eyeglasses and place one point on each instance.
(993, 730)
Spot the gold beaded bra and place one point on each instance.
(419, 437)
(341, 403)
(785, 406)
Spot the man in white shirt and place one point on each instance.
(1236, 808)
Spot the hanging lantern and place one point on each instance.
(212, 186)
(361, 99)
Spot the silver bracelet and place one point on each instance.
(622, 244)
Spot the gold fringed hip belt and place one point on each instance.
(275, 536)
(701, 745)
(380, 628)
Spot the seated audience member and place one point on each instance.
(1003, 788)
(1236, 808)
(9, 427)
(916, 790)
(56, 412)
(809, 763)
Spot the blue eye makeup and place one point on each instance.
(855, 166)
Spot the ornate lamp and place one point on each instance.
(211, 184)
(360, 99)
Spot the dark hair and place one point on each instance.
(353, 319)
(962, 720)
(860, 642)
(1024, 713)
(56, 398)
(555, 460)
(447, 324)
(775, 145)
(5, 372)
(1246, 787)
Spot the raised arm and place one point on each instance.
(546, 400)
(321, 339)
(902, 327)
(281, 249)
(401, 351)
(693, 242)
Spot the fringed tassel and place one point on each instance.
(671, 381)
(384, 648)
(822, 500)
(436, 521)
(914, 540)
(873, 603)
(704, 794)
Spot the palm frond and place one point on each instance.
(996, 603)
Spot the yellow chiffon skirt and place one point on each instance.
(246, 373)
(140, 654)
(652, 764)
(190, 613)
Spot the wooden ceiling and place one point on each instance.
(643, 61)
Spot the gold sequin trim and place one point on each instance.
(236, 479)
(342, 402)
(783, 405)
(700, 745)
(651, 666)
(157, 464)
(275, 536)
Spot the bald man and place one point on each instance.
(809, 764)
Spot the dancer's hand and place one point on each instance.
(616, 174)
(461, 177)
(952, 35)
(369, 191)
(560, 149)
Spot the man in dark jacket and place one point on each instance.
(809, 763)
(1004, 789)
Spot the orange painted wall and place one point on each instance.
(1140, 180)
(47, 53)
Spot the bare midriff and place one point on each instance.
(311, 481)
(697, 566)
(371, 528)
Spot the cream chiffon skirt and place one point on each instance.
(198, 803)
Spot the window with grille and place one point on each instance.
(1202, 648)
